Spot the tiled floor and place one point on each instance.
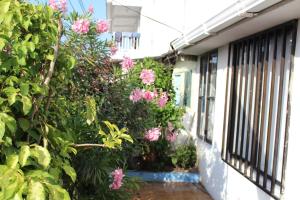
(171, 191)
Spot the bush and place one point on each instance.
(185, 156)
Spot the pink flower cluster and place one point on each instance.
(118, 177)
(152, 134)
(101, 26)
(91, 9)
(136, 95)
(171, 134)
(81, 26)
(163, 99)
(147, 76)
(60, 5)
(147, 95)
(127, 64)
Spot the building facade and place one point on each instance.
(237, 71)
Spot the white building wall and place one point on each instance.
(190, 117)
(293, 157)
(222, 181)
(182, 15)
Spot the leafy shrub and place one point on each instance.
(184, 156)
(42, 121)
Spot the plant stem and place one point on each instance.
(88, 145)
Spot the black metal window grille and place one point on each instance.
(257, 106)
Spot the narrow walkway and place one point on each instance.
(171, 191)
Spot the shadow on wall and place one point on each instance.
(215, 177)
(212, 170)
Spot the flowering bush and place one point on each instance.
(148, 87)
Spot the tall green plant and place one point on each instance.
(39, 120)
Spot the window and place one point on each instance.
(207, 93)
(257, 107)
(187, 88)
(182, 82)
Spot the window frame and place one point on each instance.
(257, 138)
(204, 99)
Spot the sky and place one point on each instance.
(99, 6)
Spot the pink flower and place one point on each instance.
(63, 5)
(147, 76)
(136, 95)
(152, 134)
(171, 137)
(81, 26)
(91, 9)
(101, 26)
(53, 4)
(118, 177)
(149, 96)
(127, 64)
(163, 99)
(113, 50)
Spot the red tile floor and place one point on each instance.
(171, 191)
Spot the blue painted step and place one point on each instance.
(166, 176)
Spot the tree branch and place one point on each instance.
(56, 47)
(88, 145)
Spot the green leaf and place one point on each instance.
(91, 110)
(27, 104)
(9, 121)
(23, 155)
(31, 46)
(36, 191)
(41, 175)
(71, 62)
(41, 155)
(2, 129)
(2, 43)
(70, 172)
(11, 80)
(11, 93)
(21, 61)
(127, 137)
(1, 100)
(12, 160)
(57, 192)
(26, 24)
(24, 124)
(50, 57)
(24, 88)
(4, 6)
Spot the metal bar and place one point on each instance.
(279, 109)
(241, 71)
(285, 150)
(270, 121)
(263, 104)
(246, 65)
(256, 107)
(200, 98)
(208, 69)
(231, 114)
(236, 61)
(250, 105)
(227, 95)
